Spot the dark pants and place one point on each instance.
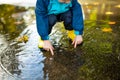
(65, 17)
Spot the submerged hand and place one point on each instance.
(48, 46)
(78, 40)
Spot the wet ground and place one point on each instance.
(98, 58)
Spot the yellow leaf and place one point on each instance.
(23, 38)
(107, 29)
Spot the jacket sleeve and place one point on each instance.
(77, 20)
(42, 19)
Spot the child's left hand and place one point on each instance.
(78, 40)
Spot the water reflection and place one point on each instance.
(12, 20)
(97, 59)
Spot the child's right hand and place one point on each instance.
(48, 46)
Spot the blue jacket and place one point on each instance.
(41, 12)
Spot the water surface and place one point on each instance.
(98, 58)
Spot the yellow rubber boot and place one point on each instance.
(71, 34)
(41, 43)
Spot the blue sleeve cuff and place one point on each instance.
(45, 37)
(78, 32)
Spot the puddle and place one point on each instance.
(97, 59)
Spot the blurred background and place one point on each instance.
(98, 58)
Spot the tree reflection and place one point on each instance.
(8, 23)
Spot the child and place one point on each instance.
(48, 12)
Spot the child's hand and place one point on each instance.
(48, 46)
(78, 40)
